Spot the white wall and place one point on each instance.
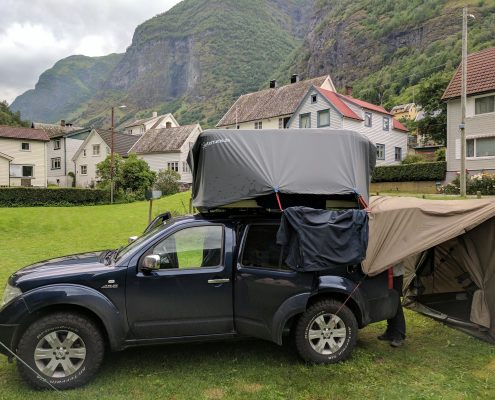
(313, 108)
(36, 157)
(4, 171)
(268, 123)
(90, 160)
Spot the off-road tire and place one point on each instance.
(84, 328)
(347, 323)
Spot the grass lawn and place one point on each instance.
(436, 363)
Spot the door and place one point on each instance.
(191, 293)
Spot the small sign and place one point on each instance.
(153, 194)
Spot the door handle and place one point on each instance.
(218, 281)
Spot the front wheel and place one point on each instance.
(326, 333)
(64, 349)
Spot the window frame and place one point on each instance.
(384, 154)
(28, 146)
(32, 171)
(179, 270)
(185, 167)
(370, 114)
(386, 127)
(400, 153)
(173, 162)
(258, 124)
(81, 169)
(241, 266)
(475, 149)
(318, 113)
(54, 161)
(314, 98)
(56, 144)
(301, 116)
(481, 98)
(96, 146)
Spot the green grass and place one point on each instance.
(436, 362)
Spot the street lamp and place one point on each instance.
(111, 154)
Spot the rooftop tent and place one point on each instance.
(233, 165)
(448, 250)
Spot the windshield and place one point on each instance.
(131, 246)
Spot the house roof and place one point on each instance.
(158, 118)
(163, 140)
(15, 132)
(364, 104)
(480, 75)
(338, 104)
(55, 130)
(269, 103)
(402, 108)
(122, 142)
(399, 126)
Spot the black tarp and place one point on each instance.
(233, 165)
(322, 239)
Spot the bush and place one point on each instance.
(29, 196)
(168, 182)
(425, 171)
(440, 154)
(413, 159)
(483, 183)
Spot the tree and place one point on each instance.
(434, 124)
(167, 181)
(103, 172)
(137, 175)
(7, 117)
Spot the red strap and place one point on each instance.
(390, 278)
(279, 202)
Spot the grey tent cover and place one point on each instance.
(233, 165)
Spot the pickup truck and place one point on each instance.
(204, 277)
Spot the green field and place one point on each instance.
(436, 362)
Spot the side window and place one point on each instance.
(261, 249)
(196, 247)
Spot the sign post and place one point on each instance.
(152, 195)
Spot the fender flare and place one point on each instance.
(292, 306)
(85, 297)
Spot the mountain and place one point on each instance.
(196, 58)
(62, 90)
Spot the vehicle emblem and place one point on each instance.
(110, 285)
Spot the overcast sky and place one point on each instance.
(34, 34)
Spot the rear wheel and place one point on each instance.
(64, 349)
(326, 332)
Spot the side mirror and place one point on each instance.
(132, 239)
(151, 263)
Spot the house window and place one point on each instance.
(258, 125)
(84, 153)
(398, 154)
(84, 169)
(305, 120)
(142, 129)
(386, 123)
(56, 163)
(96, 149)
(380, 151)
(56, 144)
(314, 98)
(174, 166)
(25, 146)
(185, 167)
(484, 105)
(368, 119)
(283, 123)
(480, 147)
(323, 118)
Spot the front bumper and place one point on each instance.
(7, 335)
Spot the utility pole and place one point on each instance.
(462, 126)
(111, 159)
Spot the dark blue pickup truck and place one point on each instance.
(202, 277)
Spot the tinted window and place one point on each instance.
(261, 249)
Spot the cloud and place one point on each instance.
(36, 34)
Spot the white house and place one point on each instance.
(65, 140)
(95, 149)
(270, 108)
(167, 148)
(141, 126)
(321, 108)
(480, 116)
(22, 156)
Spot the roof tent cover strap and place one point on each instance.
(233, 165)
(321, 239)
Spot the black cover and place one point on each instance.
(322, 239)
(233, 165)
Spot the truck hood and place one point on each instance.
(76, 265)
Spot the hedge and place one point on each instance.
(425, 171)
(31, 196)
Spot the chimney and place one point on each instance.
(62, 122)
(155, 114)
(294, 78)
(168, 124)
(348, 90)
(273, 84)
